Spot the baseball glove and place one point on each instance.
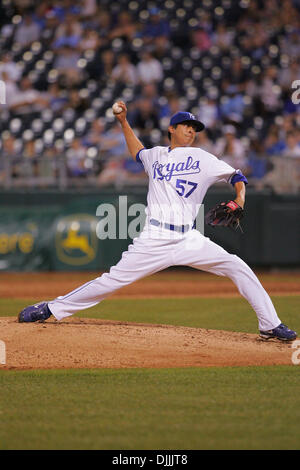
(226, 214)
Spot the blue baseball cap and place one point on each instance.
(183, 116)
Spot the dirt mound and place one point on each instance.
(89, 343)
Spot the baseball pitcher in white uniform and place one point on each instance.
(179, 177)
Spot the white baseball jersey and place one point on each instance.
(178, 182)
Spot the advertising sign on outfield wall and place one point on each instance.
(67, 232)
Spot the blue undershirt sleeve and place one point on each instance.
(138, 159)
(238, 177)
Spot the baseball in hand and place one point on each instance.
(116, 108)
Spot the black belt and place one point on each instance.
(174, 228)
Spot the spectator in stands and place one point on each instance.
(236, 75)
(68, 33)
(27, 31)
(230, 149)
(67, 7)
(288, 75)
(94, 136)
(76, 155)
(57, 100)
(27, 100)
(200, 38)
(23, 5)
(233, 104)
(149, 69)
(274, 145)
(66, 63)
(244, 43)
(204, 142)
(113, 152)
(291, 42)
(8, 155)
(145, 120)
(119, 171)
(124, 72)
(150, 91)
(89, 8)
(11, 90)
(155, 27)
(252, 90)
(160, 47)
(125, 27)
(11, 68)
(51, 23)
(8, 142)
(287, 125)
(292, 145)
(222, 37)
(209, 110)
(76, 102)
(270, 93)
(102, 23)
(112, 143)
(133, 172)
(205, 19)
(102, 60)
(40, 13)
(90, 40)
(46, 166)
(28, 165)
(110, 173)
(260, 40)
(172, 105)
(258, 163)
(107, 63)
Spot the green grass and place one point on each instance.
(193, 408)
(231, 314)
(215, 408)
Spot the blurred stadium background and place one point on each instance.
(64, 63)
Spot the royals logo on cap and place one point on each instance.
(183, 116)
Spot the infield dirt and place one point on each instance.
(91, 343)
(44, 285)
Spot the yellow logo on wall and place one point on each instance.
(75, 240)
(19, 240)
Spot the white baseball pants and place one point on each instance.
(147, 255)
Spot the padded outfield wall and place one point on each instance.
(51, 230)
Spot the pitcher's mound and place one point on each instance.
(88, 343)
